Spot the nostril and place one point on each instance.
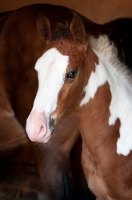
(42, 130)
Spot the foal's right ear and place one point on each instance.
(43, 26)
(78, 30)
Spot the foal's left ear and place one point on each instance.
(77, 29)
(44, 27)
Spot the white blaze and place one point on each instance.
(51, 68)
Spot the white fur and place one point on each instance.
(51, 68)
(96, 79)
(111, 70)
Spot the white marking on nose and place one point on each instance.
(51, 68)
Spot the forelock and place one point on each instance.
(61, 31)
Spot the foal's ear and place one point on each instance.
(77, 29)
(44, 28)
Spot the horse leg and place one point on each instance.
(53, 157)
(80, 187)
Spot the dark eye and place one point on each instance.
(72, 74)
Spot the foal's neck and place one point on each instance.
(110, 70)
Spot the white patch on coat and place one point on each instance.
(51, 68)
(111, 70)
(96, 79)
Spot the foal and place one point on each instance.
(79, 72)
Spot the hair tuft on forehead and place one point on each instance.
(61, 31)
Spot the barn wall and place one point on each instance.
(100, 11)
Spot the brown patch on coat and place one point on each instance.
(104, 169)
(83, 61)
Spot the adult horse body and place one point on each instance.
(91, 80)
(20, 47)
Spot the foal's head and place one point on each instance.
(60, 75)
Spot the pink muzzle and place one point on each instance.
(37, 127)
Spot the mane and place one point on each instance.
(105, 47)
(61, 31)
(107, 52)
